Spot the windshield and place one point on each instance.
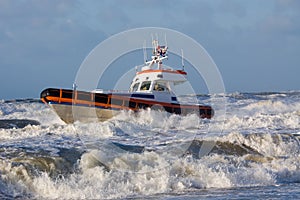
(160, 86)
(145, 85)
(135, 87)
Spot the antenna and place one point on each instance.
(145, 51)
(182, 60)
(166, 40)
(152, 40)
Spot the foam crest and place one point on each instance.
(35, 111)
(271, 106)
(272, 145)
(94, 181)
(96, 130)
(160, 120)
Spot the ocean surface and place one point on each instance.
(249, 150)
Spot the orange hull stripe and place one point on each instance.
(160, 70)
(150, 103)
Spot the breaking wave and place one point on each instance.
(149, 153)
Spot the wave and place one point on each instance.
(150, 152)
(228, 165)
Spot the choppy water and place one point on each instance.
(252, 153)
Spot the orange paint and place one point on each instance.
(164, 70)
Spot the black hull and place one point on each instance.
(72, 105)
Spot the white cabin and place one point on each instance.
(156, 78)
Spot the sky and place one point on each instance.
(255, 44)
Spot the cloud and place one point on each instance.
(41, 45)
(49, 39)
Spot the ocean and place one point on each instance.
(251, 152)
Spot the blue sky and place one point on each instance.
(255, 44)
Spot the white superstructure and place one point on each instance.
(156, 78)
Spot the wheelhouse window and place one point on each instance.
(145, 85)
(160, 86)
(135, 87)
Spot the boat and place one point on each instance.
(151, 88)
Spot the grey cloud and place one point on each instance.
(50, 38)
